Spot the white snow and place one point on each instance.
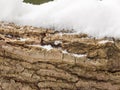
(65, 52)
(24, 39)
(57, 42)
(47, 47)
(105, 41)
(75, 55)
(79, 55)
(93, 17)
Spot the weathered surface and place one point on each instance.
(76, 62)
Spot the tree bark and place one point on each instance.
(88, 63)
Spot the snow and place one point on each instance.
(9, 36)
(65, 52)
(57, 42)
(75, 55)
(79, 55)
(105, 41)
(94, 17)
(47, 47)
(24, 39)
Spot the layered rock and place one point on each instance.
(42, 59)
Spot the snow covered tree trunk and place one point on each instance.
(88, 64)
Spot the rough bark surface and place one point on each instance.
(76, 61)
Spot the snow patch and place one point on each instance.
(23, 39)
(97, 18)
(57, 42)
(105, 41)
(79, 55)
(64, 51)
(47, 47)
(75, 55)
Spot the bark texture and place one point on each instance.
(76, 62)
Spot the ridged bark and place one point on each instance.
(25, 66)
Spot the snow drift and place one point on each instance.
(93, 17)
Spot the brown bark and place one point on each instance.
(23, 66)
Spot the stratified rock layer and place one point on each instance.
(76, 61)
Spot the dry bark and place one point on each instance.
(24, 65)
